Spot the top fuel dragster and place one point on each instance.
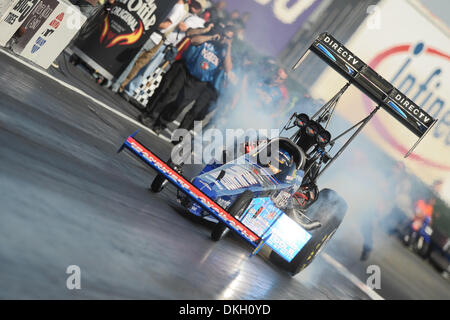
(277, 202)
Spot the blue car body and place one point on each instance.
(223, 183)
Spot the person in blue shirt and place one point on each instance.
(196, 77)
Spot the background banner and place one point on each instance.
(13, 17)
(273, 23)
(111, 40)
(53, 35)
(34, 22)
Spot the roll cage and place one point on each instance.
(280, 142)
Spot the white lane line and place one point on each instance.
(352, 278)
(76, 90)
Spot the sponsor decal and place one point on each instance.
(20, 11)
(410, 106)
(52, 27)
(143, 10)
(425, 90)
(209, 55)
(281, 199)
(287, 237)
(32, 26)
(235, 177)
(238, 178)
(342, 52)
(122, 39)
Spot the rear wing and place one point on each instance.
(372, 84)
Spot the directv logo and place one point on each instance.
(424, 93)
(340, 50)
(411, 107)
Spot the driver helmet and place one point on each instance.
(284, 158)
(285, 161)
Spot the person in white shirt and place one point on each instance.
(191, 21)
(176, 15)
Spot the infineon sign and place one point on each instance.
(415, 58)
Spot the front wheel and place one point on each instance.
(329, 209)
(236, 210)
(158, 183)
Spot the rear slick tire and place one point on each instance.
(329, 209)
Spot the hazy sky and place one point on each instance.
(440, 8)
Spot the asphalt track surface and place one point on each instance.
(67, 198)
